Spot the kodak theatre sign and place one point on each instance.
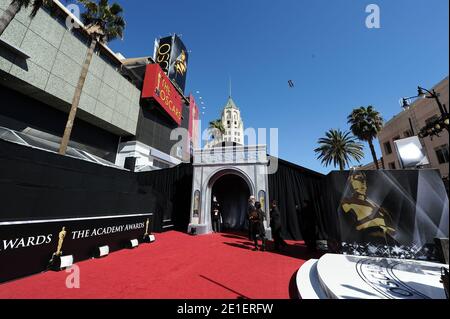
(158, 87)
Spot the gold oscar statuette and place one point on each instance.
(62, 234)
(147, 223)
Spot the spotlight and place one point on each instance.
(58, 263)
(102, 251)
(133, 243)
(149, 238)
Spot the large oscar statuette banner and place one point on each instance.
(395, 214)
(30, 247)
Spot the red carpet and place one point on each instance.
(176, 266)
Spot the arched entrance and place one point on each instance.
(233, 173)
(232, 193)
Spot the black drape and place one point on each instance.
(232, 194)
(290, 186)
(36, 184)
(175, 185)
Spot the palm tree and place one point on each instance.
(103, 23)
(340, 148)
(16, 5)
(216, 127)
(365, 124)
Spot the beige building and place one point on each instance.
(370, 167)
(421, 112)
(233, 124)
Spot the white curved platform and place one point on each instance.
(353, 277)
(308, 281)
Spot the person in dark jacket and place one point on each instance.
(275, 225)
(257, 226)
(250, 209)
(309, 228)
(216, 216)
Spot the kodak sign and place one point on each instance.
(158, 87)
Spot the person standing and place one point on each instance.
(309, 219)
(216, 216)
(250, 209)
(275, 225)
(257, 226)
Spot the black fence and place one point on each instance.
(37, 185)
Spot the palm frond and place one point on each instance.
(339, 148)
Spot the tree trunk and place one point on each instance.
(341, 166)
(374, 154)
(76, 98)
(382, 162)
(9, 15)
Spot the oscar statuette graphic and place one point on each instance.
(57, 259)
(148, 237)
(62, 234)
(371, 221)
(180, 64)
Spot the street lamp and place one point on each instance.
(434, 128)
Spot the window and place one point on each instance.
(407, 133)
(388, 147)
(432, 119)
(442, 154)
(392, 165)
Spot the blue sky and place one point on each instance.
(336, 63)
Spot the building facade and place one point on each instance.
(409, 123)
(370, 167)
(40, 64)
(233, 124)
(223, 157)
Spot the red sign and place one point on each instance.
(193, 122)
(157, 86)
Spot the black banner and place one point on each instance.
(173, 57)
(26, 247)
(390, 213)
(178, 63)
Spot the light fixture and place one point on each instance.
(149, 238)
(102, 251)
(405, 103)
(410, 152)
(58, 263)
(421, 93)
(133, 243)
